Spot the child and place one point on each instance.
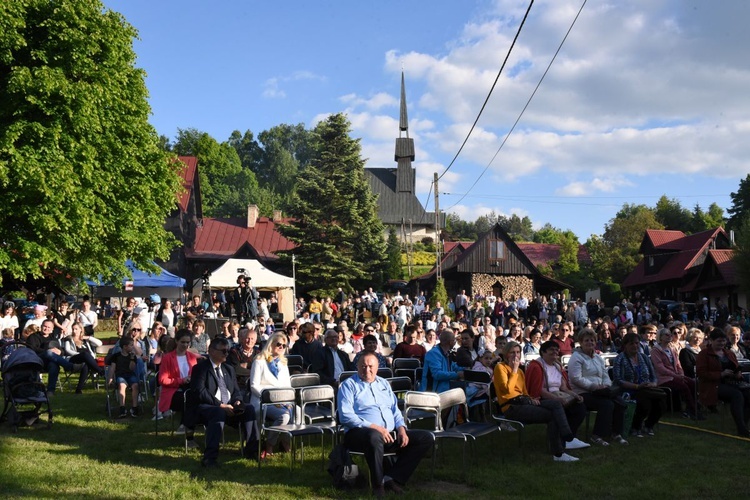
(123, 370)
(8, 337)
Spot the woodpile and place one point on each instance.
(511, 285)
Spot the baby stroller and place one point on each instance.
(25, 396)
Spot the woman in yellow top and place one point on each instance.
(516, 404)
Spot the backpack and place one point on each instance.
(341, 468)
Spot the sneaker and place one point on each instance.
(597, 440)
(564, 458)
(180, 429)
(649, 431)
(619, 439)
(576, 444)
(636, 433)
(167, 414)
(505, 426)
(134, 412)
(123, 413)
(159, 415)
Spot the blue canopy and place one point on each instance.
(165, 284)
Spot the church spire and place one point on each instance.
(404, 149)
(403, 123)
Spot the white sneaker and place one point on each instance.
(576, 444)
(167, 414)
(159, 415)
(565, 458)
(180, 430)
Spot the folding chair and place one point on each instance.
(400, 386)
(407, 367)
(295, 363)
(424, 406)
(287, 396)
(346, 375)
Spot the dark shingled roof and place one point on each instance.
(394, 205)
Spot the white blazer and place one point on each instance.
(262, 378)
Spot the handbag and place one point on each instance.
(567, 399)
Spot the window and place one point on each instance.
(651, 261)
(497, 249)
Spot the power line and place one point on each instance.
(507, 56)
(525, 106)
(534, 197)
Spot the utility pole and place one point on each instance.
(438, 242)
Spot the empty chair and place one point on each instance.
(385, 373)
(285, 396)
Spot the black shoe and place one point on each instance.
(208, 463)
(123, 413)
(134, 412)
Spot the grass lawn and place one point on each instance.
(85, 455)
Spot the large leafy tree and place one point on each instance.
(672, 215)
(335, 225)
(226, 187)
(740, 205)
(615, 254)
(84, 182)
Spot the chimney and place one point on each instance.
(252, 215)
(277, 215)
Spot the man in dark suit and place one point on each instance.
(215, 399)
(329, 361)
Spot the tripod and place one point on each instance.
(207, 295)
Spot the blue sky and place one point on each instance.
(646, 97)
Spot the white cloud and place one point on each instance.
(272, 86)
(374, 103)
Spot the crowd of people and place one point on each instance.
(549, 360)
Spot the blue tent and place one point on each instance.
(165, 284)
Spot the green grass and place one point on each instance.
(85, 455)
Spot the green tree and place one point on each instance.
(85, 182)
(741, 255)
(335, 226)
(672, 215)
(226, 187)
(615, 255)
(440, 294)
(740, 205)
(394, 255)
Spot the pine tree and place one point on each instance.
(394, 255)
(335, 225)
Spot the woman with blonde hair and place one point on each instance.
(270, 370)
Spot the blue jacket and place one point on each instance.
(438, 371)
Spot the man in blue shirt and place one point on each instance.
(368, 409)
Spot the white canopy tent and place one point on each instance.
(263, 279)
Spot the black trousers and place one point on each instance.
(609, 414)
(371, 443)
(214, 419)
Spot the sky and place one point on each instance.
(645, 98)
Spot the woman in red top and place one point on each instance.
(720, 378)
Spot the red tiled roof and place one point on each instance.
(544, 253)
(725, 264)
(225, 237)
(689, 249)
(662, 237)
(450, 245)
(188, 180)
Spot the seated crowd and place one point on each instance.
(544, 365)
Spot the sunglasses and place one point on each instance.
(135, 329)
(280, 344)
